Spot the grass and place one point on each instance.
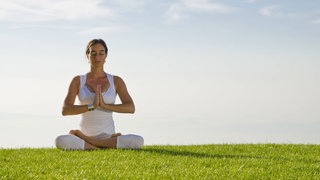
(225, 161)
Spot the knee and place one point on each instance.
(129, 141)
(62, 141)
(69, 142)
(138, 142)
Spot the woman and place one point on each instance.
(97, 91)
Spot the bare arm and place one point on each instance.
(68, 107)
(127, 105)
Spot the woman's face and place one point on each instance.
(97, 55)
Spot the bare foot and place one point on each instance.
(76, 132)
(73, 132)
(116, 135)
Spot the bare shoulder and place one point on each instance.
(76, 80)
(75, 83)
(118, 82)
(117, 79)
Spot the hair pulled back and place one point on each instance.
(94, 42)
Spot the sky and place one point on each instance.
(199, 71)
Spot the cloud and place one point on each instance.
(315, 16)
(129, 5)
(47, 10)
(99, 30)
(81, 30)
(276, 11)
(269, 11)
(182, 9)
(250, 1)
(317, 21)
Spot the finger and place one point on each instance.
(97, 100)
(101, 97)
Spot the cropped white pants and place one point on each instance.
(72, 142)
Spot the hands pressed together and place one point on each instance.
(98, 101)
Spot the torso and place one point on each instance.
(100, 120)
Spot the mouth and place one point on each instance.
(97, 62)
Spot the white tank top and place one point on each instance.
(100, 120)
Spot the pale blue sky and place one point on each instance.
(200, 71)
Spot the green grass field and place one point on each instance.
(225, 161)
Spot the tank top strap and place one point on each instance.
(83, 79)
(111, 80)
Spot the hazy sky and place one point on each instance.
(199, 71)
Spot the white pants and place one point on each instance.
(72, 142)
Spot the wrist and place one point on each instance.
(104, 106)
(90, 107)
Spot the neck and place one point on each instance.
(96, 72)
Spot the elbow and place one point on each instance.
(132, 110)
(128, 108)
(64, 111)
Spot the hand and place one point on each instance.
(101, 102)
(96, 102)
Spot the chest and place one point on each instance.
(88, 88)
(92, 84)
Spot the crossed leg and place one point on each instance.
(96, 143)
